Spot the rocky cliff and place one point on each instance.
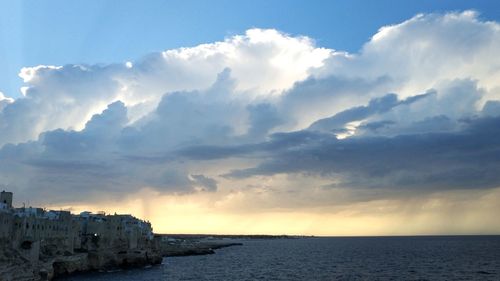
(14, 267)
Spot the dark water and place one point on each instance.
(381, 258)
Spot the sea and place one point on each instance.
(339, 258)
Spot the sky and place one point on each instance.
(269, 117)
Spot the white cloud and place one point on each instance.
(262, 62)
(4, 101)
(426, 49)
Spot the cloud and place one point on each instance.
(4, 101)
(65, 97)
(416, 109)
(491, 108)
(95, 162)
(205, 182)
(419, 53)
(425, 162)
(375, 106)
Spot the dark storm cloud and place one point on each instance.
(376, 106)
(469, 158)
(88, 162)
(262, 118)
(206, 183)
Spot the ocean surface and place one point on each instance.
(377, 258)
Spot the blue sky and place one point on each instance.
(60, 32)
(261, 122)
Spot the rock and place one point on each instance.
(65, 265)
(13, 267)
(193, 248)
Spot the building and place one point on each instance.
(37, 231)
(5, 200)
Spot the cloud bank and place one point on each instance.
(417, 110)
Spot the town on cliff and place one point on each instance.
(39, 244)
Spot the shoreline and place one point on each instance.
(60, 267)
(181, 249)
(195, 249)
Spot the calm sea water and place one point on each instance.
(381, 258)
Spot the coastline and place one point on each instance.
(179, 249)
(195, 248)
(15, 267)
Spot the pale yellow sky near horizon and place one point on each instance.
(451, 212)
